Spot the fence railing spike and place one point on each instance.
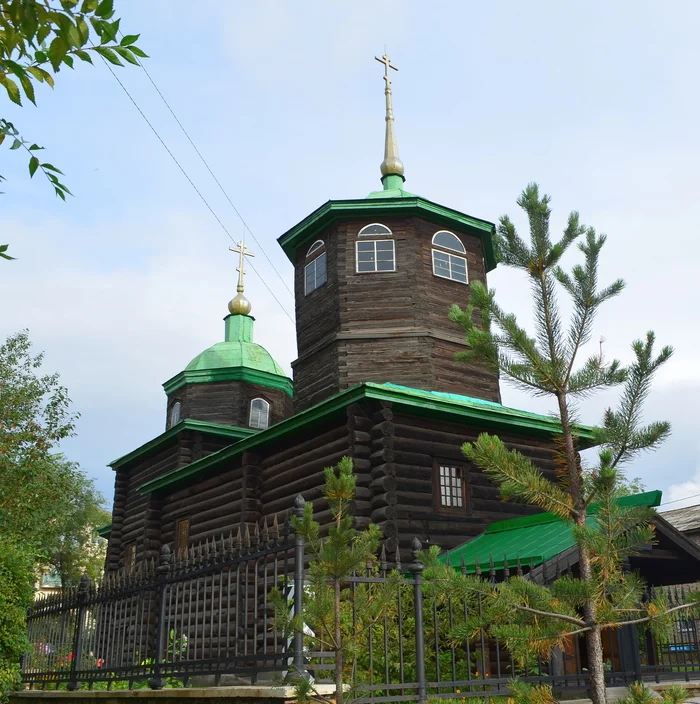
(477, 566)
(246, 538)
(506, 569)
(519, 567)
(256, 536)
(397, 559)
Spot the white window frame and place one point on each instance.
(388, 232)
(176, 408)
(375, 271)
(462, 249)
(306, 273)
(316, 245)
(450, 258)
(266, 408)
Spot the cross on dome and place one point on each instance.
(240, 305)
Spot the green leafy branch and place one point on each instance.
(37, 39)
(7, 129)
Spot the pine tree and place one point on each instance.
(529, 618)
(335, 557)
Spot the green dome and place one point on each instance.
(237, 352)
(238, 358)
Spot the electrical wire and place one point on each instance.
(685, 498)
(191, 182)
(211, 173)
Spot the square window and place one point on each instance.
(375, 256)
(450, 266)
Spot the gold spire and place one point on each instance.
(240, 305)
(391, 164)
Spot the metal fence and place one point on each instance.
(205, 612)
(211, 612)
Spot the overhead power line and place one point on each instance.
(685, 498)
(191, 182)
(211, 173)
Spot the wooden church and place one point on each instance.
(375, 379)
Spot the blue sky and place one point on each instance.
(126, 282)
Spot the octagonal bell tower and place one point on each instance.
(374, 282)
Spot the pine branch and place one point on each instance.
(517, 476)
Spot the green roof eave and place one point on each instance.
(218, 429)
(432, 404)
(207, 376)
(310, 226)
(104, 531)
(530, 540)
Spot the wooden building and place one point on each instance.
(375, 379)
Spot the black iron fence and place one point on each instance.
(205, 612)
(211, 612)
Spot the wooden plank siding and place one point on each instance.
(388, 326)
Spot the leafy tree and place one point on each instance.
(70, 542)
(48, 507)
(37, 40)
(34, 416)
(16, 588)
(529, 618)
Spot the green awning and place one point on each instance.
(531, 539)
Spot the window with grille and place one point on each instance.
(182, 538)
(445, 264)
(375, 256)
(315, 270)
(259, 414)
(450, 487)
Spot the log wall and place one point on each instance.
(385, 327)
(393, 452)
(228, 402)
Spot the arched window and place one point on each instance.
(447, 240)
(445, 264)
(374, 229)
(259, 414)
(315, 270)
(316, 245)
(175, 413)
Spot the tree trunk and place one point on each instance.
(338, 647)
(594, 642)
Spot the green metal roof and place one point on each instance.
(532, 539)
(238, 358)
(160, 441)
(451, 407)
(390, 202)
(104, 531)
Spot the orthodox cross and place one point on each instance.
(387, 65)
(242, 252)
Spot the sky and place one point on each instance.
(122, 285)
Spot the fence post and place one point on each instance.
(77, 651)
(416, 567)
(299, 589)
(158, 682)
